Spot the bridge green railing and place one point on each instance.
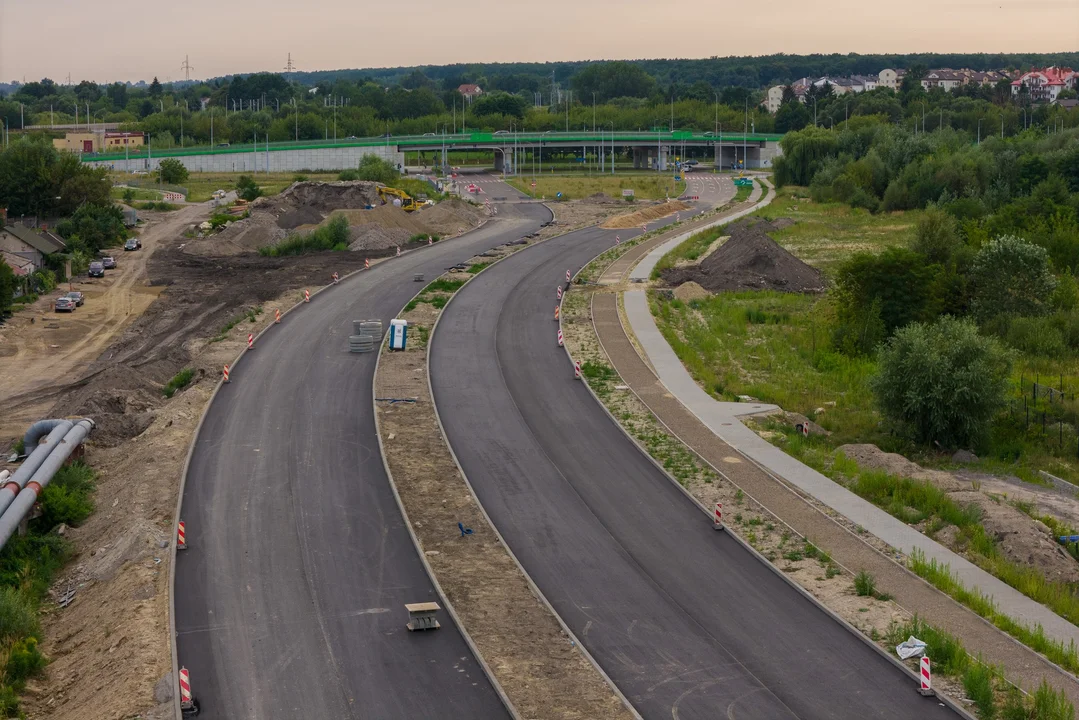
(469, 140)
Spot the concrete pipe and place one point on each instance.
(56, 430)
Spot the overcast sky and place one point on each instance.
(133, 41)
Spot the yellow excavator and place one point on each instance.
(389, 194)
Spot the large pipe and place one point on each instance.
(26, 498)
(56, 430)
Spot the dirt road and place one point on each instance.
(42, 351)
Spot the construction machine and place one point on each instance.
(389, 194)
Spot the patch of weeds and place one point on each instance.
(793, 555)
(831, 571)
(179, 381)
(864, 584)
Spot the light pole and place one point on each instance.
(1002, 126)
(814, 111)
(980, 130)
(922, 103)
(593, 112)
(717, 112)
(612, 146)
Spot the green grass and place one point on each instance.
(117, 193)
(179, 381)
(864, 584)
(334, 235)
(476, 267)
(437, 293)
(650, 186)
(978, 683)
(696, 245)
(159, 206)
(201, 186)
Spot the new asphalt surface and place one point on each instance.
(686, 621)
(290, 599)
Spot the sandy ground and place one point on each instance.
(532, 658)
(647, 214)
(41, 350)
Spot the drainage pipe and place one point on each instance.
(26, 498)
(56, 430)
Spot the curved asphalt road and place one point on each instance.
(686, 622)
(289, 600)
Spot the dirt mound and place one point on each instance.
(781, 223)
(871, 457)
(690, 291)
(750, 260)
(119, 399)
(653, 212)
(299, 216)
(324, 196)
(372, 236)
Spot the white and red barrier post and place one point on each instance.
(306, 295)
(398, 251)
(366, 264)
(226, 374)
(569, 276)
(556, 309)
(334, 278)
(717, 521)
(277, 316)
(925, 685)
(559, 337)
(181, 536)
(577, 369)
(617, 240)
(558, 292)
(430, 241)
(187, 701)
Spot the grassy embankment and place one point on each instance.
(775, 347)
(645, 187)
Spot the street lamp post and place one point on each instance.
(612, 146)
(980, 130)
(1002, 126)
(922, 103)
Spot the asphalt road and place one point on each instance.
(290, 598)
(686, 622)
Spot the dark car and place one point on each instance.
(65, 304)
(77, 297)
(132, 244)
(97, 269)
(109, 262)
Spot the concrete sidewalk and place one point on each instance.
(722, 419)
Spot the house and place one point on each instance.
(943, 78)
(115, 141)
(864, 83)
(28, 245)
(775, 98)
(891, 79)
(989, 77)
(18, 264)
(1046, 83)
(87, 142)
(1068, 104)
(470, 91)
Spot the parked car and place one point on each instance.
(222, 144)
(109, 262)
(132, 244)
(502, 132)
(77, 296)
(65, 304)
(97, 269)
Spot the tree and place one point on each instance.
(247, 189)
(1011, 277)
(791, 116)
(803, 154)
(936, 236)
(94, 226)
(612, 80)
(788, 94)
(155, 88)
(499, 103)
(375, 169)
(898, 279)
(7, 288)
(942, 382)
(172, 172)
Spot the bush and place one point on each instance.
(18, 618)
(865, 585)
(129, 196)
(375, 169)
(1011, 277)
(24, 662)
(936, 236)
(179, 381)
(172, 172)
(334, 235)
(348, 175)
(978, 682)
(942, 382)
(68, 498)
(247, 189)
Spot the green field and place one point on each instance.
(201, 186)
(574, 187)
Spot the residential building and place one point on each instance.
(943, 78)
(1046, 83)
(470, 91)
(28, 245)
(18, 264)
(87, 142)
(775, 98)
(989, 77)
(863, 83)
(1068, 104)
(891, 79)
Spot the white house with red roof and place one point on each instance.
(1046, 83)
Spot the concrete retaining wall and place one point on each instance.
(333, 158)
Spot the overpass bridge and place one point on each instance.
(649, 149)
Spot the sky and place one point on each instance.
(131, 42)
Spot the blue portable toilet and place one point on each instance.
(398, 334)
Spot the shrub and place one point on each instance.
(179, 381)
(864, 584)
(898, 278)
(330, 236)
(247, 189)
(18, 618)
(171, 171)
(1051, 705)
(348, 175)
(375, 169)
(68, 498)
(24, 662)
(978, 682)
(942, 382)
(1011, 277)
(129, 196)
(936, 236)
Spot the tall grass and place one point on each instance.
(978, 682)
(179, 381)
(334, 235)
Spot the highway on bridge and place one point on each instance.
(686, 621)
(290, 598)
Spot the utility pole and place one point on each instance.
(289, 67)
(211, 126)
(186, 67)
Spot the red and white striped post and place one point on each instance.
(925, 686)
(617, 240)
(398, 251)
(430, 241)
(306, 295)
(366, 264)
(250, 341)
(577, 369)
(334, 278)
(717, 522)
(226, 374)
(560, 337)
(181, 536)
(558, 292)
(277, 316)
(556, 309)
(187, 702)
(569, 277)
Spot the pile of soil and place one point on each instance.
(690, 291)
(120, 399)
(749, 260)
(300, 216)
(653, 212)
(323, 197)
(372, 236)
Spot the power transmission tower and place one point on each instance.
(289, 67)
(186, 67)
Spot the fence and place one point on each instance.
(1047, 413)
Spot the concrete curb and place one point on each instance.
(191, 451)
(532, 585)
(708, 514)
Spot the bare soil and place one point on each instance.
(647, 214)
(749, 260)
(532, 658)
